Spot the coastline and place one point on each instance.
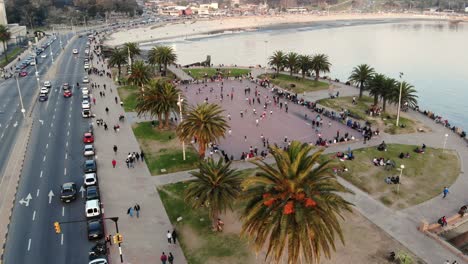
(161, 32)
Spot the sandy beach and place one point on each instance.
(205, 26)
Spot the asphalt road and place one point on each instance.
(54, 157)
(10, 110)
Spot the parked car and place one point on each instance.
(85, 104)
(43, 97)
(75, 51)
(86, 113)
(47, 84)
(44, 90)
(88, 150)
(86, 79)
(90, 166)
(68, 192)
(90, 179)
(88, 138)
(98, 261)
(92, 192)
(95, 229)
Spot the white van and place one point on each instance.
(93, 208)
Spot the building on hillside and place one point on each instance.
(175, 11)
(18, 33)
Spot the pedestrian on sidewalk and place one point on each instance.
(94, 100)
(174, 236)
(137, 210)
(105, 126)
(163, 258)
(445, 191)
(128, 163)
(116, 100)
(142, 156)
(171, 258)
(107, 110)
(169, 237)
(114, 163)
(130, 211)
(137, 156)
(115, 149)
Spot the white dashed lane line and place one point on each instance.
(47, 146)
(40, 176)
(34, 215)
(37, 193)
(29, 244)
(44, 158)
(65, 171)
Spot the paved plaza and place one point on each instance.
(275, 124)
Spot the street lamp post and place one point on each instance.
(399, 101)
(37, 72)
(266, 55)
(445, 142)
(179, 103)
(401, 174)
(20, 97)
(116, 219)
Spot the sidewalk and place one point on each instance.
(144, 237)
(179, 73)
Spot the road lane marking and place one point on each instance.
(7, 126)
(34, 215)
(37, 193)
(55, 109)
(44, 158)
(68, 123)
(63, 210)
(67, 144)
(69, 116)
(29, 244)
(68, 133)
(61, 240)
(52, 124)
(40, 176)
(47, 146)
(66, 155)
(65, 171)
(53, 117)
(49, 134)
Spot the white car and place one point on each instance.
(98, 261)
(84, 91)
(44, 90)
(88, 150)
(85, 104)
(86, 51)
(47, 84)
(90, 179)
(86, 79)
(75, 51)
(33, 62)
(43, 55)
(86, 66)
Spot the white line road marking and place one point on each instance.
(69, 116)
(40, 176)
(29, 244)
(49, 134)
(65, 171)
(67, 144)
(37, 193)
(66, 155)
(47, 146)
(68, 123)
(55, 109)
(53, 117)
(68, 133)
(63, 210)
(51, 124)
(7, 126)
(61, 240)
(34, 215)
(44, 158)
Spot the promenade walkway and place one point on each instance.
(179, 73)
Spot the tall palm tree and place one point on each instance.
(294, 205)
(132, 49)
(5, 36)
(216, 187)
(360, 75)
(205, 122)
(169, 99)
(320, 63)
(118, 57)
(375, 86)
(388, 91)
(163, 56)
(149, 101)
(304, 63)
(278, 60)
(141, 74)
(291, 61)
(408, 94)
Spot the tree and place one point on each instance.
(204, 122)
(360, 75)
(304, 63)
(169, 97)
(215, 188)
(388, 91)
(291, 61)
(320, 63)
(132, 48)
(294, 205)
(163, 56)
(118, 57)
(149, 101)
(140, 75)
(278, 60)
(375, 86)
(5, 36)
(408, 94)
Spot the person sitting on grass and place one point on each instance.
(401, 155)
(382, 146)
(395, 180)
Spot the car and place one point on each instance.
(86, 97)
(90, 166)
(85, 104)
(44, 56)
(92, 192)
(90, 179)
(68, 192)
(43, 97)
(23, 73)
(86, 113)
(45, 90)
(67, 93)
(33, 62)
(88, 137)
(86, 79)
(98, 261)
(95, 229)
(75, 51)
(65, 86)
(86, 66)
(86, 51)
(88, 150)
(47, 84)
(84, 91)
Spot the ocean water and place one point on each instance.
(433, 55)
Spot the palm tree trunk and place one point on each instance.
(160, 122)
(376, 99)
(201, 148)
(303, 75)
(120, 68)
(165, 69)
(167, 119)
(290, 71)
(384, 104)
(277, 70)
(361, 88)
(317, 72)
(5, 52)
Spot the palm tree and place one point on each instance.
(294, 202)
(163, 56)
(388, 91)
(150, 101)
(360, 75)
(140, 75)
(5, 36)
(118, 57)
(320, 63)
(168, 100)
(204, 122)
(132, 49)
(304, 63)
(374, 86)
(291, 61)
(216, 187)
(408, 94)
(278, 60)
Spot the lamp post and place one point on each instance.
(20, 97)
(399, 101)
(179, 103)
(401, 173)
(445, 143)
(266, 55)
(37, 72)
(116, 219)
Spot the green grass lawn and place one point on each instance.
(300, 85)
(12, 54)
(163, 149)
(128, 95)
(200, 73)
(424, 176)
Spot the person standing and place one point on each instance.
(171, 258)
(169, 237)
(137, 210)
(130, 211)
(174, 236)
(445, 191)
(114, 163)
(163, 258)
(142, 155)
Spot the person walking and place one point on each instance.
(445, 191)
(128, 163)
(130, 211)
(174, 236)
(115, 149)
(171, 258)
(142, 156)
(114, 163)
(137, 210)
(169, 237)
(163, 258)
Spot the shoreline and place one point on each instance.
(160, 32)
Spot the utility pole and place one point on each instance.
(20, 97)
(399, 101)
(179, 103)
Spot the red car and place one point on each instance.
(88, 138)
(23, 73)
(67, 93)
